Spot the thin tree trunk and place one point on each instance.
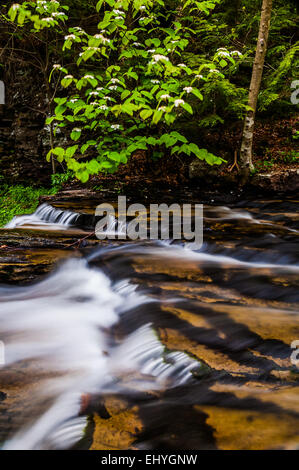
(53, 162)
(257, 73)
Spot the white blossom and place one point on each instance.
(178, 102)
(223, 53)
(115, 126)
(118, 12)
(164, 97)
(188, 89)
(69, 36)
(158, 57)
(238, 53)
(102, 38)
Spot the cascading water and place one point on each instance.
(195, 342)
(47, 215)
(63, 322)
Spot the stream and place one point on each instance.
(150, 344)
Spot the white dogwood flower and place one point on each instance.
(178, 102)
(69, 36)
(158, 57)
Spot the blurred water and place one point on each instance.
(197, 342)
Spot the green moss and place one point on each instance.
(18, 199)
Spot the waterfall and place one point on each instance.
(45, 214)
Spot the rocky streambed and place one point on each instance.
(150, 344)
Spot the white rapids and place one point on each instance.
(64, 323)
(45, 215)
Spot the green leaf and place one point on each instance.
(75, 134)
(179, 136)
(13, 11)
(70, 151)
(83, 176)
(146, 113)
(197, 93)
(157, 116)
(65, 82)
(93, 166)
(187, 107)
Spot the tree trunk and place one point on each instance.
(256, 78)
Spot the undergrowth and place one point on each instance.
(19, 199)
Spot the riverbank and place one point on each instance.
(208, 185)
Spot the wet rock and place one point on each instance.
(26, 254)
(281, 181)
